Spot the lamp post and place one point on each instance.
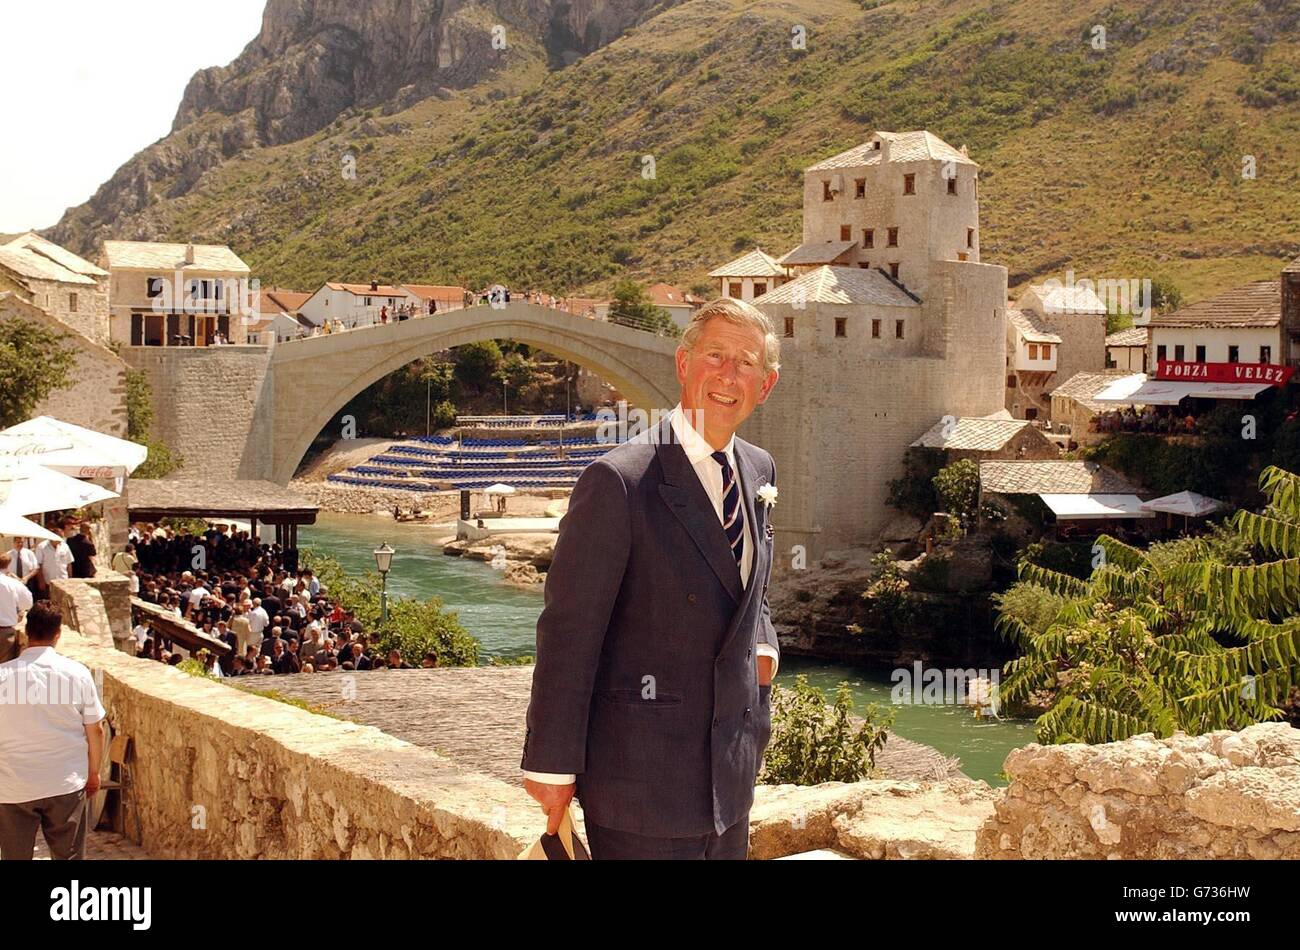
(383, 561)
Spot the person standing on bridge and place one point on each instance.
(655, 649)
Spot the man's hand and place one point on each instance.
(554, 800)
(92, 784)
(764, 671)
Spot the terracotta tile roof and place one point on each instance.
(842, 285)
(1132, 336)
(1257, 304)
(28, 264)
(1062, 477)
(971, 434)
(1031, 326)
(436, 291)
(60, 255)
(287, 301)
(754, 264)
(917, 146)
(666, 295)
(817, 252)
(154, 255)
(366, 290)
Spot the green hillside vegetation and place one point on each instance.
(1123, 162)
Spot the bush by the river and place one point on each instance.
(813, 742)
(414, 627)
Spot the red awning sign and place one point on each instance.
(1268, 373)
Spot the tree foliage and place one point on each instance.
(631, 307)
(1194, 635)
(813, 742)
(414, 627)
(34, 362)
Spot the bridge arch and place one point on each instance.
(312, 379)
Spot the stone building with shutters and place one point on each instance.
(888, 322)
(177, 294)
(67, 287)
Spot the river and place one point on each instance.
(503, 617)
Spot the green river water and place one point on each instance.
(503, 617)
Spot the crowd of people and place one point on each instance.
(1166, 420)
(27, 570)
(275, 618)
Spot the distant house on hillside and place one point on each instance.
(748, 276)
(59, 282)
(355, 305)
(434, 298)
(678, 304)
(974, 438)
(281, 314)
(164, 294)
(1053, 333)
(1127, 349)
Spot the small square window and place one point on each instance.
(868, 237)
(1047, 351)
(1178, 352)
(909, 184)
(1160, 352)
(875, 329)
(952, 185)
(961, 255)
(1033, 351)
(827, 195)
(893, 237)
(860, 188)
(789, 328)
(72, 306)
(1265, 354)
(733, 290)
(759, 289)
(846, 232)
(970, 237)
(1011, 382)
(1234, 354)
(1200, 355)
(840, 325)
(898, 329)
(893, 270)
(154, 287)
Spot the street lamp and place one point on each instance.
(383, 561)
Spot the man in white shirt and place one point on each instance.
(15, 600)
(55, 559)
(257, 619)
(141, 634)
(51, 744)
(195, 598)
(22, 560)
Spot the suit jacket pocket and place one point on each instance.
(636, 697)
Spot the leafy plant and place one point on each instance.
(958, 488)
(813, 742)
(1194, 635)
(34, 362)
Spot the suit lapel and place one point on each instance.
(689, 502)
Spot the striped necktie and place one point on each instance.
(732, 523)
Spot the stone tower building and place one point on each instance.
(889, 323)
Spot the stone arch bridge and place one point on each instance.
(310, 380)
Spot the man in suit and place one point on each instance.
(655, 648)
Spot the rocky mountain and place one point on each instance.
(1115, 139)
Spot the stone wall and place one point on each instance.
(220, 773)
(1219, 795)
(209, 403)
(95, 396)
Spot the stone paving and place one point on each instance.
(100, 846)
(475, 716)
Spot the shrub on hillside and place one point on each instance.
(813, 742)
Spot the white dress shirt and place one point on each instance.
(700, 454)
(22, 562)
(55, 559)
(46, 702)
(14, 599)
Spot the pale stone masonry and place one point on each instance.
(69, 288)
(160, 291)
(1219, 795)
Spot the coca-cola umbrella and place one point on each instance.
(71, 449)
(16, 526)
(27, 489)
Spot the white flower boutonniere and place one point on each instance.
(767, 494)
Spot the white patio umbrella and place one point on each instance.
(500, 488)
(71, 449)
(1188, 503)
(27, 488)
(15, 526)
